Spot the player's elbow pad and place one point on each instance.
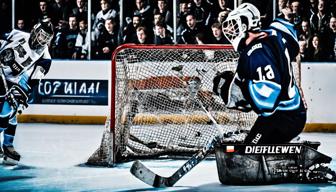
(264, 95)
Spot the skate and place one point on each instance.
(10, 156)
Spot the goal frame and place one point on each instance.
(137, 46)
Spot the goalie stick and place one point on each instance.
(140, 171)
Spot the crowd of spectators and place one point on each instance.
(151, 22)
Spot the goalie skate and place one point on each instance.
(10, 156)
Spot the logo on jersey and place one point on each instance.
(273, 149)
(21, 51)
(253, 48)
(270, 149)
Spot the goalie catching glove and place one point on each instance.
(225, 85)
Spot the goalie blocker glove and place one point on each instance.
(226, 85)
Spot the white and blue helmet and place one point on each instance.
(246, 17)
(41, 34)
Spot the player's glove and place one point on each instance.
(7, 57)
(221, 85)
(16, 97)
(226, 86)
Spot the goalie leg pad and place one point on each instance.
(237, 169)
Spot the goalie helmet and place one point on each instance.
(246, 17)
(41, 35)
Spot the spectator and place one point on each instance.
(222, 16)
(80, 11)
(188, 35)
(158, 18)
(130, 30)
(220, 10)
(60, 12)
(297, 12)
(162, 9)
(162, 36)
(64, 45)
(287, 13)
(181, 17)
(82, 41)
(107, 40)
(21, 25)
(312, 7)
(145, 12)
(43, 12)
(223, 12)
(303, 50)
(200, 10)
(217, 36)
(105, 12)
(142, 37)
(282, 4)
(315, 49)
(331, 39)
(319, 21)
(304, 30)
(333, 8)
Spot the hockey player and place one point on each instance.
(264, 80)
(24, 60)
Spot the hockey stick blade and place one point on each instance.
(141, 172)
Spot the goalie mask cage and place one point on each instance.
(154, 109)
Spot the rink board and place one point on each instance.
(317, 82)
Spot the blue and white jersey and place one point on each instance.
(265, 70)
(19, 71)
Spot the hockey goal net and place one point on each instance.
(154, 112)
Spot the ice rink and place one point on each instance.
(52, 155)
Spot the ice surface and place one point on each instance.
(52, 153)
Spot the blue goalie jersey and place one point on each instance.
(265, 70)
